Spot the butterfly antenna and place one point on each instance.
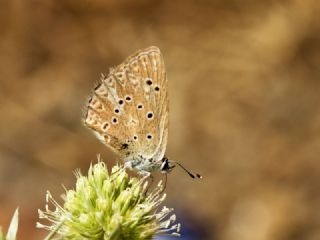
(187, 171)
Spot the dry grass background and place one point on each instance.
(244, 90)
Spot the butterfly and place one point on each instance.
(128, 112)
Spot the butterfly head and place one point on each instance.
(167, 166)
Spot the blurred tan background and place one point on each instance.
(244, 82)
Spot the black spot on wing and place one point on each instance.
(124, 146)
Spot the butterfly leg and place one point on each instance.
(146, 175)
(128, 165)
(165, 184)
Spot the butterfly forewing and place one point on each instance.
(128, 109)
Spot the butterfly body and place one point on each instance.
(128, 111)
(141, 165)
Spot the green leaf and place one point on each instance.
(13, 228)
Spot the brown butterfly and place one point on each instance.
(128, 112)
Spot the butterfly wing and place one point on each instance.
(128, 110)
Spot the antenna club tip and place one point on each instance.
(199, 176)
(191, 175)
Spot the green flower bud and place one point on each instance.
(109, 206)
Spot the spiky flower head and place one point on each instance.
(109, 206)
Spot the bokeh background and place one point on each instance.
(244, 84)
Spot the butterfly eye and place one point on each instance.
(150, 115)
(149, 136)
